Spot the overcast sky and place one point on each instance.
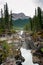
(25, 6)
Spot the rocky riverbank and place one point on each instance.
(37, 53)
(36, 46)
(25, 40)
(13, 54)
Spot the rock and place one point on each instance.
(18, 62)
(9, 61)
(35, 59)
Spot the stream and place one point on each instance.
(27, 55)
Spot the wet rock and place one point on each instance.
(37, 57)
(18, 62)
(9, 61)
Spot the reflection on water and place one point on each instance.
(28, 57)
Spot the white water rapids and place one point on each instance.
(27, 55)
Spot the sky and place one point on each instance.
(25, 6)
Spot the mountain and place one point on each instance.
(19, 16)
(20, 19)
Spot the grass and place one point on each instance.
(18, 28)
(41, 49)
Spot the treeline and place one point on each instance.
(5, 19)
(36, 23)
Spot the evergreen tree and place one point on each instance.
(11, 20)
(26, 28)
(31, 25)
(39, 18)
(6, 14)
(42, 19)
(1, 22)
(35, 21)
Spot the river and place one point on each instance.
(27, 55)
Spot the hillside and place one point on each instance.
(19, 20)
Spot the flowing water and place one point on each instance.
(27, 55)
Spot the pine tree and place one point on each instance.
(6, 14)
(11, 19)
(1, 23)
(39, 18)
(31, 25)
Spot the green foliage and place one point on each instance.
(39, 17)
(5, 50)
(11, 24)
(36, 23)
(1, 19)
(31, 25)
(13, 31)
(6, 16)
(41, 49)
(26, 27)
(6, 20)
(1, 30)
(20, 22)
(5, 45)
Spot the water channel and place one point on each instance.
(27, 55)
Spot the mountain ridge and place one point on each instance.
(19, 20)
(16, 16)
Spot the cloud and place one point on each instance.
(1, 2)
(25, 6)
(38, 3)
